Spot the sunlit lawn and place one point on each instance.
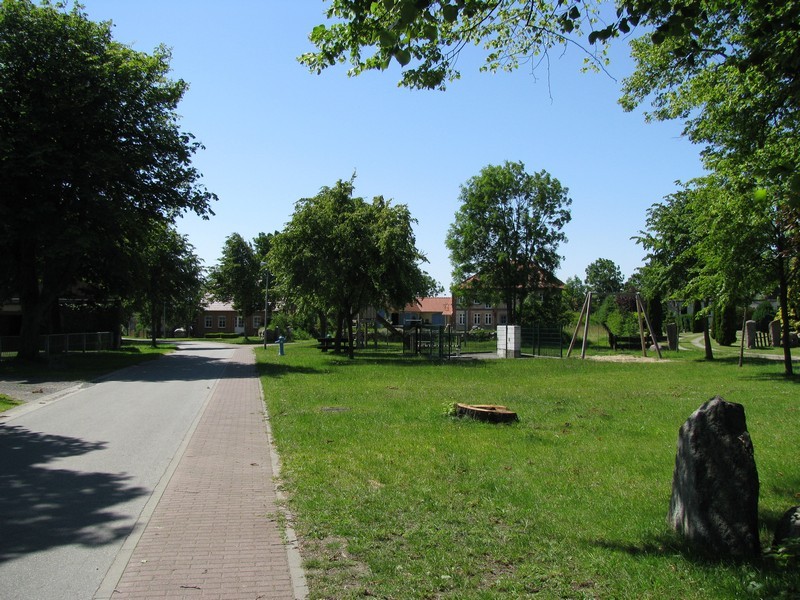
(395, 499)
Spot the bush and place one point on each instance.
(725, 322)
(618, 314)
(477, 334)
(763, 315)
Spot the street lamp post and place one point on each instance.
(266, 306)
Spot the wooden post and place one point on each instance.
(577, 327)
(741, 345)
(640, 306)
(586, 325)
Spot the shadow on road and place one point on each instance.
(42, 508)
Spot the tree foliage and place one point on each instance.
(504, 241)
(91, 156)
(342, 253)
(604, 277)
(574, 293)
(237, 278)
(170, 281)
(710, 242)
(426, 37)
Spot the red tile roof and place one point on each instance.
(443, 305)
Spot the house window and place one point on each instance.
(222, 322)
(476, 318)
(239, 321)
(209, 322)
(503, 319)
(462, 317)
(487, 306)
(487, 319)
(256, 321)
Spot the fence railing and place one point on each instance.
(442, 342)
(60, 343)
(543, 340)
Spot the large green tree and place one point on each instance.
(342, 253)
(91, 156)
(171, 277)
(710, 242)
(238, 276)
(504, 241)
(730, 73)
(604, 277)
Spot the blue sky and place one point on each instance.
(274, 133)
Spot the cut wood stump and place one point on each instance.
(491, 413)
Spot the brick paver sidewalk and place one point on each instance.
(213, 533)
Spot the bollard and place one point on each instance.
(280, 345)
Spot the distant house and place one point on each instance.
(430, 311)
(473, 313)
(220, 317)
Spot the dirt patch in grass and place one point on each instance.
(627, 358)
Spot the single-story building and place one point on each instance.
(220, 317)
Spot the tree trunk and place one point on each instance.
(323, 322)
(30, 330)
(153, 325)
(33, 303)
(783, 293)
(350, 339)
(337, 345)
(707, 340)
(510, 308)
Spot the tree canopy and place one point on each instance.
(604, 277)
(91, 156)
(730, 73)
(171, 278)
(505, 237)
(342, 253)
(238, 277)
(426, 37)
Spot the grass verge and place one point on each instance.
(6, 403)
(393, 498)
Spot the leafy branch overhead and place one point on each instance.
(425, 38)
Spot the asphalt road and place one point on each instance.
(77, 472)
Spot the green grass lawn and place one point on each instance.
(393, 498)
(6, 403)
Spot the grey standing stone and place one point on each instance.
(672, 336)
(714, 500)
(750, 334)
(788, 526)
(775, 334)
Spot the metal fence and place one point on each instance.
(543, 339)
(439, 342)
(60, 343)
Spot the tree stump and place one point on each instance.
(491, 413)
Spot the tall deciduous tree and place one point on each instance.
(91, 156)
(342, 253)
(238, 276)
(506, 233)
(729, 71)
(574, 293)
(604, 277)
(171, 277)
